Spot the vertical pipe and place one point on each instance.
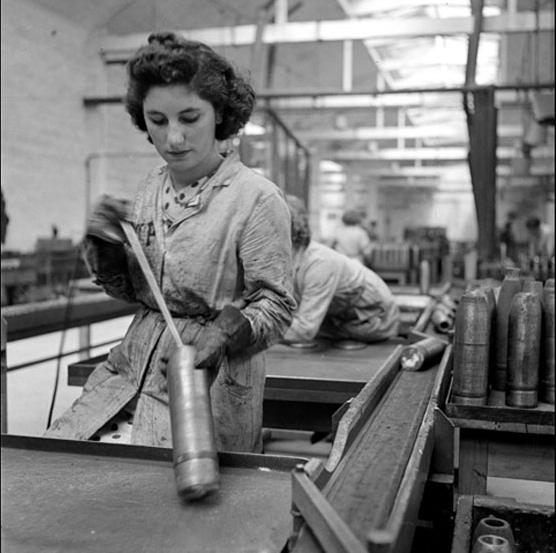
(84, 342)
(548, 350)
(4, 378)
(347, 74)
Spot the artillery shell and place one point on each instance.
(424, 277)
(194, 452)
(414, 356)
(548, 353)
(471, 349)
(526, 278)
(442, 318)
(510, 286)
(524, 340)
(449, 303)
(491, 300)
(534, 286)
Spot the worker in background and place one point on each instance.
(540, 241)
(351, 239)
(372, 231)
(5, 218)
(508, 239)
(217, 236)
(338, 298)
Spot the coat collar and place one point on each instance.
(228, 169)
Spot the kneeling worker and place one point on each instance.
(338, 298)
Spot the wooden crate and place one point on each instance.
(532, 525)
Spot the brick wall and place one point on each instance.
(45, 73)
(49, 64)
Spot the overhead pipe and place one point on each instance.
(277, 94)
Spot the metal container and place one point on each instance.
(491, 300)
(442, 318)
(420, 354)
(471, 349)
(534, 286)
(510, 286)
(548, 353)
(194, 451)
(449, 302)
(524, 342)
(424, 277)
(494, 526)
(492, 544)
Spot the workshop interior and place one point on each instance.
(319, 321)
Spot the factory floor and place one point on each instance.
(30, 392)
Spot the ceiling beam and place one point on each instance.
(365, 7)
(118, 48)
(393, 133)
(428, 154)
(506, 95)
(440, 171)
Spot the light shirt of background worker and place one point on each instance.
(352, 239)
(217, 236)
(540, 241)
(338, 298)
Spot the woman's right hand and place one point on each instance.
(104, 221)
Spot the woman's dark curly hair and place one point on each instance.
(301, 232)
(168, 59)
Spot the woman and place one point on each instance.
(217, 236)
(352, 239)
(339, 299)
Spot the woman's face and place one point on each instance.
(181, 126)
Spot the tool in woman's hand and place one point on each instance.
(194, 451)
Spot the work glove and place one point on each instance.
(105, 233)
(229, 334)
(104, 221)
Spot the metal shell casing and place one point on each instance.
(413, 357)
(443, 318)
(533, 286)
(471, 349)
(424, 277)
(524, 340)
(491, 300)
(511, 285)
(194, 452)
(548, 353)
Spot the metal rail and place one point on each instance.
(34, 319)
(64, 354)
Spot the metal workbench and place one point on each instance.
(87, 497)
(304, 387)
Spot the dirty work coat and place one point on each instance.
(339, 298)
(234, 246)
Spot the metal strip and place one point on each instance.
(330, 530)
(147, 453)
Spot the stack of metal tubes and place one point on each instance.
(504, 343)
